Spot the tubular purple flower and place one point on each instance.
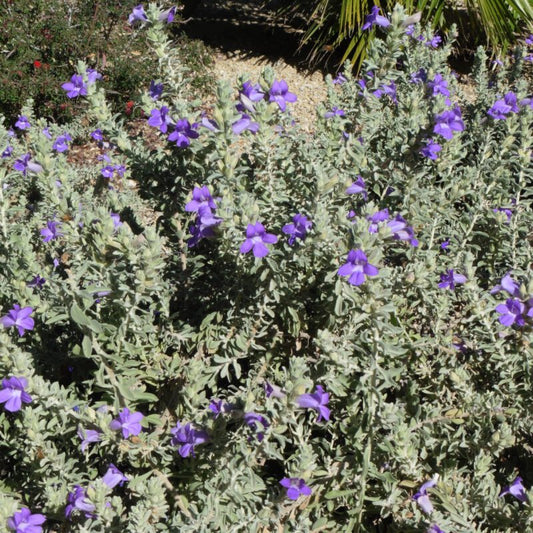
(448, 122)
(298, 229)
(254, 93)
(13, 394)
(114, 477)
(252, 419)
(335, 112)
(358, 187)
(137, 15)
(317, 401)
(376, 218)
(357, 267)
(434, 41)
(339, 79)
(51, 231)
(511, 312)
(75, 87)
(218, 407)
(7, 152)
(87, 436)
(61, 143)
(168, 15)
(449, 279)
(507, 284)
(296, 487)
(128, 423)
(22, 123)
(438, 86)
(256, 237)
(501, 108)
(422, 497)
(188, 437)
(20, 318)
(273, 390)
(201, 197)
(155, 90)
(375, 19)
(159, 118)
(434, 528)
(92, 76)
(419, 76)
(402, 231)
(37, 282)
(23, 164)
(24, 521)
(97, 135)
(386, 90)
(516, 489)
(279, 93)
(431, 149)
(243, 124)
(183, 132)
(115, 217)
(77, 500)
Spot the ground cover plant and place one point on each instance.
(226, 324)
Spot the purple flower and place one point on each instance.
(357, 267)
(296, 487)
(47, 134)
(97, 135)
(61, 143)
(128, 422)
(507, 284)
(7, 152)
(317, 401)
(138, 15)
(252, 419)
(25, 522)
(183, 132)
(87, 436)
(434, 41)
(201, 197)
(75, 87)
(504, 106)
(387, 90)
(529, 40)
(13, 394)
(507, 212)
(23, 164)
(358, 187)
(448, 122)
(335, 112)
(51, 231)
(168, 15)
(210, 124)
(159, 118)
(516, 489)
(37, 282)
(419, 76)
(218, 407)
(92, 76)
(298, 229)
(108, 171)
(77, 499)
(511, 312)
(279, 93)
(114, 477)
(376, 218)
(445, 244)
(115, 217)
(256, 237)
(375, 19)
(431, 149)
(23, 123)
(203, 227)
(254, 93)
(273, 390)
(188, 437)
(155, 90)
(401, 231)
(449, 279)
(339, 79)
(434, 528)
(20, 318)
(422, 497)
(439, 86)
(243, 124)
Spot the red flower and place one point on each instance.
(129, 107)
(37, 64)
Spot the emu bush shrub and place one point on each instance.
(238, 326)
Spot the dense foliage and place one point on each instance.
(237, 326)
(42, 40)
